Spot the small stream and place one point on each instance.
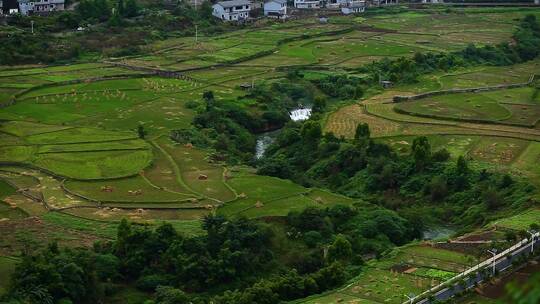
(266, 139)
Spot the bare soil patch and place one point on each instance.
(481, 236)
(402, 268)
(465, 248)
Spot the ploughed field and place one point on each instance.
(72, 164)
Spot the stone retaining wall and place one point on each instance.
(400, 98)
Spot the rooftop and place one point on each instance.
(357, 4)
(278, 1)
(234, 3)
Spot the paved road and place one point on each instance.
(502, 262)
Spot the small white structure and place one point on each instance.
(432, 1)
(336, 3)
(275, 8)
(27, 7)
(384, 2)
(234, 10)
(307, 3)
(353, 7)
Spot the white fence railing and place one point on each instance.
(477, 267)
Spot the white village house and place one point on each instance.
(336, 3)
(384, 2)
(275, 8)
(27, 7)
(307, 4)
(353, 7)
(233, 10)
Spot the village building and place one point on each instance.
(336, 3)
(9, 7)
(307, 4)
(353, 7)
(234, 10)
(275, 8)
(384, 2)
(28, 7)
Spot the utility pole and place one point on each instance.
(32, 24)
(533, 234)
(494, 253)
(196, 34)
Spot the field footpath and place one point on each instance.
(178, 174)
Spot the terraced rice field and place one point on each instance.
(513, 106)
(70, 142)
(79, 153)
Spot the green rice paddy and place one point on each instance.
(70, 137)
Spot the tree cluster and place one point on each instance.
(371, 170)
(234, 255)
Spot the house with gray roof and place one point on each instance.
(275, 8)
(28, 7)
(234, 10)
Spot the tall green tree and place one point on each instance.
(421, 152)
(341, 249)
(362, 131)
(132, 9)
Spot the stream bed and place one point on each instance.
(266, 139)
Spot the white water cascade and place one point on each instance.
(300, 114)
(264, 140)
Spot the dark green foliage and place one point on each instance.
(371, 171)
(319, 104)
(151, 282)
(346, 230)
(524, 293)
(421, 152)
(51, 276)
(341, 249)
(170, 295)
(362, 131)
(441, 155)
(94, 9)
(234, 254)
(24, 48)
(132, 24)
(346, 87)
(287, 286)
(141, 132)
